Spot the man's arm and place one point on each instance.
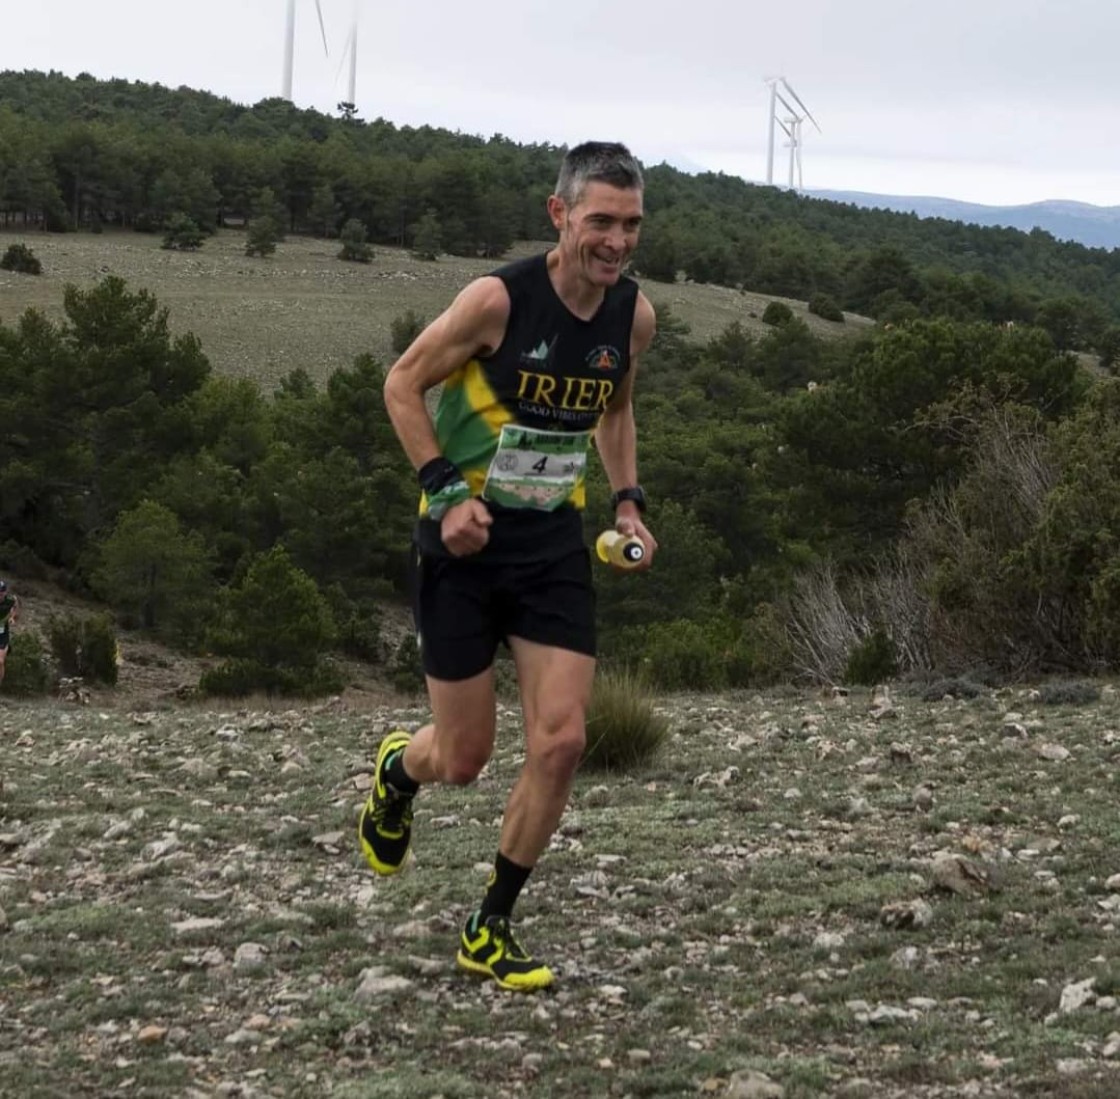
(474, 323)
(616, 437)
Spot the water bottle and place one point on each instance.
(622, 550)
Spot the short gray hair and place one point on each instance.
(597, 161)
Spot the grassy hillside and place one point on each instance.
(262, 318)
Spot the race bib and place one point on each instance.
(533, 468)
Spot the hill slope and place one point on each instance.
(303, 307)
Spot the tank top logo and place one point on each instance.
(540, 356)
(604, 357)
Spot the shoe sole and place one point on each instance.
(382, 869)
(525, 982)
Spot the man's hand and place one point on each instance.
(465, 529)
(632, 526)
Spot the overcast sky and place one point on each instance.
(994, 101)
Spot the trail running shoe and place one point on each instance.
(385, 826)
(490, 949)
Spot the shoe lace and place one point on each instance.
(393, 812)
(503, 936)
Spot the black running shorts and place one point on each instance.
(465, 606)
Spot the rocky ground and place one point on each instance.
(805, 895)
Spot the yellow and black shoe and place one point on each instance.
(489, 948)
(385, 826)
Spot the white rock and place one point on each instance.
(378, 981)
(1076, 996)
(1054, 752)
(250, 958)
(753, 1085)
(197, 923)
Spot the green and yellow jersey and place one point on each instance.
(517, 422)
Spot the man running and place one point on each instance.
(9, 612)
(533, 359)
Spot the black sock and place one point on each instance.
(507, 879)
(393, 772)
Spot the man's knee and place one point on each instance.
(460, 764)
(557, 751)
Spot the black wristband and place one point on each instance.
(437, 474)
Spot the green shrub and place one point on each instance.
(683, 655)
(623, 730)
(404, 328)
(358, 623)
(1068, 692)
(182, 233)
(405, 670)
(26, 671)
(872, 660)
(777, 313)
(261, 235)
(22, 260)
(85, 646)
(954, 686)
(825, 307)
(240, 677)
(354, 238)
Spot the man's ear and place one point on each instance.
(557, 212)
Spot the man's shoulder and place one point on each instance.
(519, 269)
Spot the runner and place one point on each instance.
(533, 359)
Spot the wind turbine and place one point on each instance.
(351, 50)
(791, 125)
(290, 43)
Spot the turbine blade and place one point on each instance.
(322, 27)
(808, 113)
(787, 106)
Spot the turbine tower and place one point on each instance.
(791, 125)
(350, 51)
(290, 44)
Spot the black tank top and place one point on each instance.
(553, 371)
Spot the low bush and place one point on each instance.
(872, 660)
(777, 313)
(623, 729)
(1068, 692)
(22, 260)
(27, 671)
(825, 307)
(242, 677)
(85, 646)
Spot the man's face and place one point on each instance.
(600, 231)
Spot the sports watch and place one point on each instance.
(634, 493)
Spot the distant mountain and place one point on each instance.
(1093, 226)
